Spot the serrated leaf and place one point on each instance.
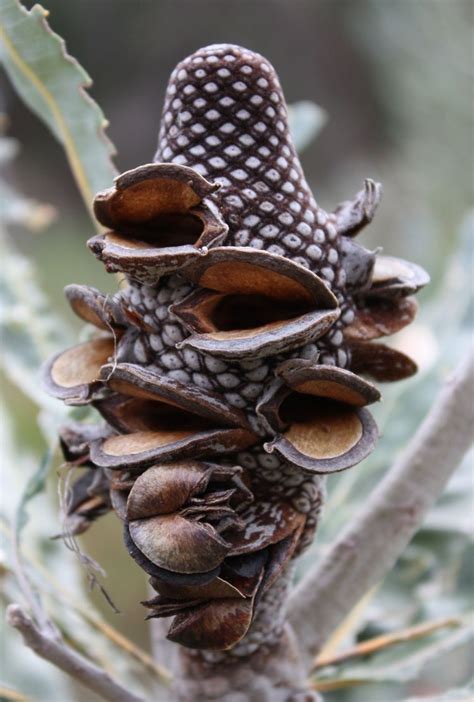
(53, 84)
(306, 119)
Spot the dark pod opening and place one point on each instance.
(135, 414)
(238, 312)
(165, 230)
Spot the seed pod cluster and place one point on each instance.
(228, 371)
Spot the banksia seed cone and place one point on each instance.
(228, 370)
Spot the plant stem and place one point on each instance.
(51, 647)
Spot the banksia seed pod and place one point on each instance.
(228, 371)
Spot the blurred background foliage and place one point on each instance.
(394, 82)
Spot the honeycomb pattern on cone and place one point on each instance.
(225, 116)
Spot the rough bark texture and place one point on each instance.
(272, 674)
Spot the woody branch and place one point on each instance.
(371, 544)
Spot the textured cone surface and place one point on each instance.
(226, 369)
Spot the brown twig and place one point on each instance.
(378, 643)
(373, 541)
(49, 646)
(6, 693)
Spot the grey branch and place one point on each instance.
(371, 544)
(51, 647)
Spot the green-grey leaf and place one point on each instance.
(52, 84)
(34, 486)
(306, 121)
(29, 330)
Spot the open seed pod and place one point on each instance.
(380, 362)
(253, 304)
(96, 308)
(87, 500)
(74, 374)
(318, 416)
(376, 317)
(75, 438)
(160, 419)
(394, 277)
(148, 385)
(159, 219)
(353, 215)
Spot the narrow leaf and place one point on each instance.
(35, 485)
(53, 84)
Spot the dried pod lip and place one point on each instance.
(183, 546)
(168, 607)
(165, 488)
(131, 380)
(263, 341)
(217, 589)
(358, 264)
(328, 381)
(395, 277)
(378, 317)
(319, 452)
(169, 576)
(380, 362)
(118, 499)
(158, 221)
(74, 375)
(216, 625)
(244, 270)
(143, 192)
(143, 449)
(353, 215)
(279, 555)
(95, 308)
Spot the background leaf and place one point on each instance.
(306, 120)
(29, 329)
(35, 485)
(53, 84)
